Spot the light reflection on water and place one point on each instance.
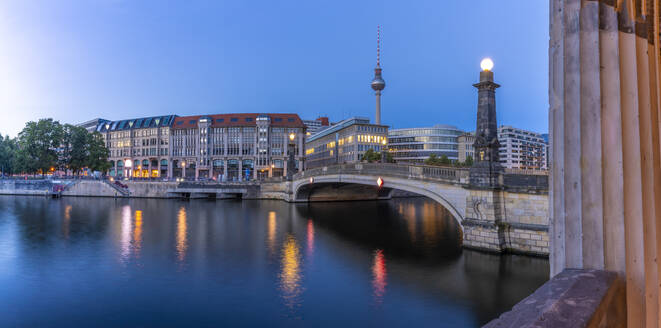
(380, 275)
(243, 258)
(290, 275)
(182, 237)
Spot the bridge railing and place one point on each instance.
(421, 172)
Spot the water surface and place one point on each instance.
(98, 262)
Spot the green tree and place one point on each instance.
(444, 160)
(7, 155)
(75, 148)
(38, 145)
(432, 160)
(97, 159)
(469, 161)
(370, 155)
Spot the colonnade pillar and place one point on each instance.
(604, 125)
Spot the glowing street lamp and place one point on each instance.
(379, 182)
(311, 180)
(486, 64)
(292, 136)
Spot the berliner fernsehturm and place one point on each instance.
(378, 83)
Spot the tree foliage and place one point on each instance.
(469, 161)
(7, 155)
(47, 144)
(38, 145)
(435, 160)
(97, 159)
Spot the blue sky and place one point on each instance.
(77, 60)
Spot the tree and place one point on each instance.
(431, 160)
(38, 145)
(468, 161)
(7, 155)
(98, 153)
(75, 147)
(444, 160)
(370, 155)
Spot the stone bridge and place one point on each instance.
(512, 217)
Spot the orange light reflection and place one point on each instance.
(182, 243)
(379, 276)
(290, 275)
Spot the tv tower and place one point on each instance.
(378, 83)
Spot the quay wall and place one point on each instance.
(25, 187)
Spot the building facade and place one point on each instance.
(235, 147)
(314, 126)
(521, 149)
(465, 146)
(415, 145)
(138, 148)
(228, 147)
(345, 142)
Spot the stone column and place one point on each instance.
(604, 125)
(240, 166)
(486, 171)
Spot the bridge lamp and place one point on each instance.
(183, 164)
(486, 64)
(311, 180)
(379, 182)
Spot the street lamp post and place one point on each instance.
(290, 162)
(183, 170)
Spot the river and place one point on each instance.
(99, 262)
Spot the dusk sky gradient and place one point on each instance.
(119, 59)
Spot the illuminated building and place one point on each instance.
(233, 147)
(415, 145)
(345, 142)
(138, 147)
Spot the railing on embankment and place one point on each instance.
(419, 172)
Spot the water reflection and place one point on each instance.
(67, 221)
(379, 276)
(310, 235)
(125, 239)
(182, 242)
(290, 274)
(270, 242)
(137, 233)
(392, 263)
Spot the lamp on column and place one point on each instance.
(290, 162)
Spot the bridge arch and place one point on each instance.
(451, 197)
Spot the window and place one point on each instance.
(290, 119)
(278, 119)
(248, 119)
(220, 120)
(191, 121)
(234, 119)
(180, 123)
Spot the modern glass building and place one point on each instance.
(344, 142)
(415, 145)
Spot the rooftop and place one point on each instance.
(341, 125)
(243, 119)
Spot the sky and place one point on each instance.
(119, 59)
